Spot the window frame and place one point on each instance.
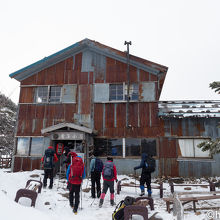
(48, 96)
(194, 156)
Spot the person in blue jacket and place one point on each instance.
(145, 174)
(74, 185)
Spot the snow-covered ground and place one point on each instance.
(54, 205)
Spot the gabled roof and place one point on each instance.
(81, 46)
(68, 125)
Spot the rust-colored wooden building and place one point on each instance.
(77, 97)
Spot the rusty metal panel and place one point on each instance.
(26, 95)
(133, 114)
(38, 126)
(98, 117)
(41, 76)
(85, 99)
(109, 115)
(87, 57)
(17, 164)
(153, 77)
(143, 75)
(167, 148)
(154, 114)
(29, 81)
(40, 111)
(26, 165)
(101, 92)
(35, 163)
(77, 62)
(83, 78)
(50, 76)
(195, 168)
(99, 64)
(133, 74)
(144, 114)
(69, 109)
(147, 91)
(121, 115)
(168, 167)
(69, 93)
(115, 71)
(59, 73)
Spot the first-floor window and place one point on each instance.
(23, 146)
(37, 145)
(188, 148)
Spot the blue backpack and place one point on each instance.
(98, 165)
(108, 170)
(48, 159)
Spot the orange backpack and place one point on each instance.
(76, 170)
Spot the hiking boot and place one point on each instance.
(112, 202)
(100, 203)
(75, 211)
(142, 193)
(149, 193)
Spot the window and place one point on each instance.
(104, 147)
(23, 146)
(36, 146)
(188, 148)
(116, 92)
(119, 92)
(42, 94)
(55, 93)
(45, 94)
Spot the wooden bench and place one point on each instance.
(194, 199)
(31, 190)
(211, 185)
(160, 187)
(137, 209)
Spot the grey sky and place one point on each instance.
(183, 35)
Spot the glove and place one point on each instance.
(134, 168)
(116, 180)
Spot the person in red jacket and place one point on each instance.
(48, 161)
(109, 174)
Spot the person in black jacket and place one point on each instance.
(148, 166)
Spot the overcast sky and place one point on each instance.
(183, 35)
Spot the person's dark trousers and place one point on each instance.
(48, 173)
(106, 185)
(146, 178)
(74, 193)
(95, 179)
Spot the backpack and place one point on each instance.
(76, 170)
(48, 159)
(98, 165)
(118, 213)
(108, 172)
(150, 165)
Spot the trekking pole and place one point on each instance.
(135, 181)
(81, 197)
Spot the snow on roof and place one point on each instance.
(182, 109)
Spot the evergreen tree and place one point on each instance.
(212, 145)
(8, 111)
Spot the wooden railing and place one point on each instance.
(5, 162)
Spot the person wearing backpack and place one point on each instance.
(75, 175)
(148, 166)
(109, 174)
(96, 166)
(48, 161)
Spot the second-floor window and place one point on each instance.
(119, 92)
(46, 94)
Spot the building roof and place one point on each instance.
(81, 46)
(184, 109)
(68, 125)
